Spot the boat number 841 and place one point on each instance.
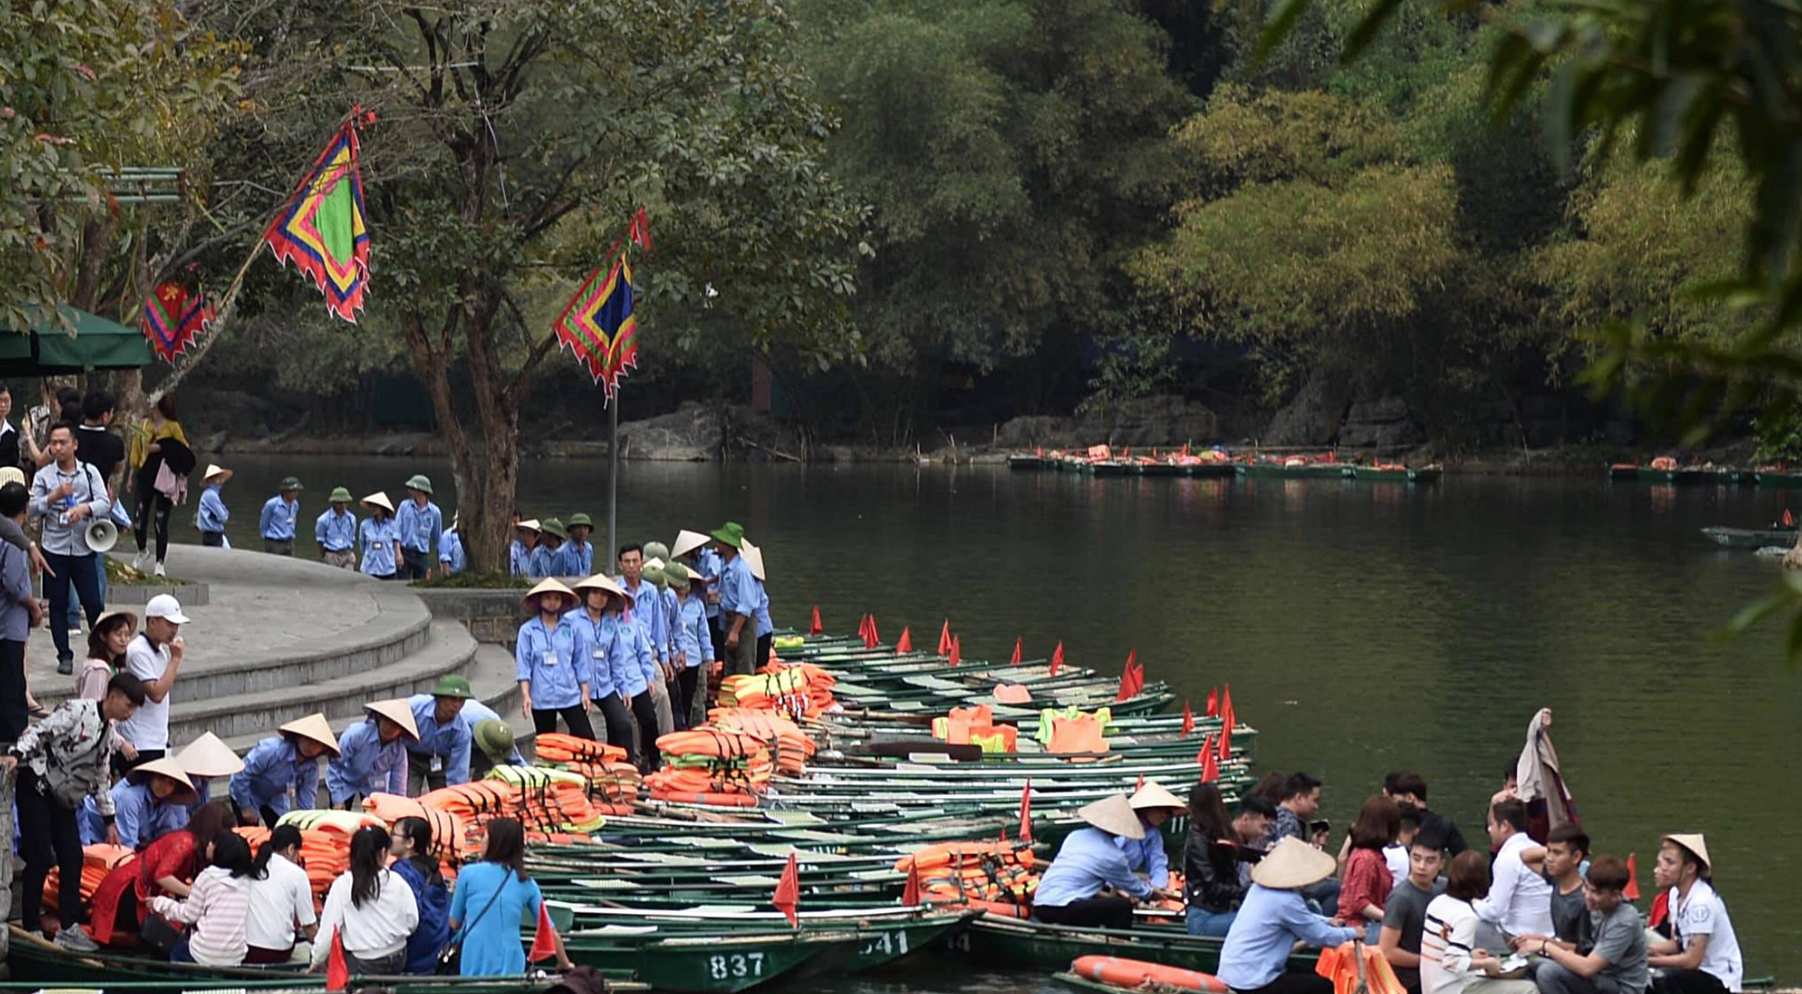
(736, 965)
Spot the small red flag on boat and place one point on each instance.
(911, 896)
(1140, 785)
(872, 640)
(1057, 659)
(1661, 909)
(544, 939)
(337, 971)
(1213, 710)
(1789, 520)
(788, 891)
(1226, 708)
(1631, 891)
(1226, 738)
(1188, 720)
(1126, 682)
(817, 627)
(1026, 812)
(1206, 750)
(945, 638)
(863, 627)
(906, 642)
(957, 650)
(1138, 670)
(1210, 768)
(1019, 646)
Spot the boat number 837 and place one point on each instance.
(737, 966)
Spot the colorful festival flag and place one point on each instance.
(321, 227)
(174, 316)
(599, 325)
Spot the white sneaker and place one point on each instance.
(159, 570)
(75, 633)
(76, 939)
(143, 561)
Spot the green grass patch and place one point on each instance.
(125, 575)
(469, 580)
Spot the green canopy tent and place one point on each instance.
(48, 349)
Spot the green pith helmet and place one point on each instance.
(552, 526)
(494, 738)
(654, 576)
(291, 483)
(580, 520)
(656, 550)
(676, 575)
(728, 534)
(340, 495)
(453, 686)
(421, 483)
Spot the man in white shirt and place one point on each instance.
(154, 657)
(1704, 957)
(1520, 900)
(281, 901)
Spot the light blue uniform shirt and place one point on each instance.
(647, 613)
(419, 527)
(213, 514)
(334, 531)
(619, 657)
(519, 559)
(60, 537)
(1087, 861)
(273, 767)
(1147, 855)
(450, 552)
(365, 764)
(692, 638)
(549, 562)
(475, 712)
(1269, 923)
(762, 613)
(277, 523)
(379, 539)
(709, 564)
(140, 818)
(740, 593)
(581, 556)
(548, 660)
(450, 741)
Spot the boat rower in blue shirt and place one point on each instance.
(150, 802)
(440, 757)
(1089, 860)
(1147, 855)
(646, 599)
(553, 674)
(281, 773)
(451, 558)
(579, 549)
(621, 668)
(372, 757)
(378, 539)
(280, 514)
(1274, 916)
(421, 525)
(336, 531)
(519, 554)
(213, 514)
(487, 752)
(552, 558)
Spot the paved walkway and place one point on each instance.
(259, 605)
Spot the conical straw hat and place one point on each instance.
(1153, 795)
(1695, 844)
(209, 756)
(687, 542)
(1292, 864)
(601, 581)
(315, 727)
(397, 711)
(753, 558)
(1113, 815)
(551, 586)
(168, 767)
(379, 499)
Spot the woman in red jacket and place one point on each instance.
(167, 866)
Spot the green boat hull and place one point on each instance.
(1017, 944)
(720, 964)
(1312, 471)
(1751, 538)
(1781, 481)
(1366, 474)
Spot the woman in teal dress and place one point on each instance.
(491, 899)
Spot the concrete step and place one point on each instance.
(447, 648)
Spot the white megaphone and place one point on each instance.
(102, 535)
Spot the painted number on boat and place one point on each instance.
(737, 966)
(959, 943)
(887, 944)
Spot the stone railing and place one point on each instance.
(492, 616)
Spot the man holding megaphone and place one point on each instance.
(66, 496)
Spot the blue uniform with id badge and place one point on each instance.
(555, 671)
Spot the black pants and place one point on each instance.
(687, 681)
(213, 540)
(420, 776)
(15, 714)
(719, 636)
(644, 708)
(544, 720)
(1293, 983)
(80, 573)
(1104, 912)
(763, 650)
(150, 498)
(279, 546)
(618, 721)
(1671, 982)
(48, 836)
(414, 564)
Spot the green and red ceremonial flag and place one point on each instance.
(321, 227)
(174, 316)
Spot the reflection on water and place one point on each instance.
(1363, 628)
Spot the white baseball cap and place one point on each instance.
(165, 607)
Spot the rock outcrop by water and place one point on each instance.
(691, 433)
(1146, 421)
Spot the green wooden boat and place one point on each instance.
(1028, 462)
(1751, 538)
(706, 964)
(1113, 468)
(1305, 471)
(1779, 479)
(1023, 944)
(1213, 470)
(1422, 474)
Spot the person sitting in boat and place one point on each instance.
(369, 909)
(372, 759)
(1211, 884)
(1405, 914)
(1452, 961)
(1273, 917)
(281, 900)
(1612, 956)
(1154, 806)
(1088, 862)
(493, 897)
(1367, 880)
(153, 800)
(413, 860)
(166, 866)
(282, 771)
(1703, 957)
(1519, 901)
(218, 906)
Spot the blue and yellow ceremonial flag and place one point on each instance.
(599, 325)
(321, 228)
